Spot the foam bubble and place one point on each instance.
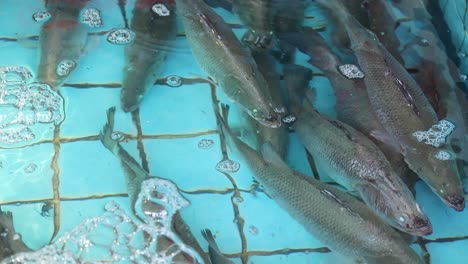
(116, 237)
(91, 17)
(41, 16)
(436, 135)
(228, 166)
(351, 71)
(65, 67)
(161, 10)
(121, 36)
(205, 143)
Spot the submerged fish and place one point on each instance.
(216, 257)
(334, 217)
(278, 137)
(61, 42)
(257, 15)
(219, 52)
(354, 161)
(134, 176)
(154, 34)
(388, 86)
(10, 241)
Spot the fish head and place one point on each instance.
(270, 119)
(396, 205)
(440, 172)
(134, 86)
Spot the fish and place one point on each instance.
(134, 176)
(388, 86)
(257, 15)
(223, 57)
(216, 257)
(352, 104)
(354, 161)
(154, 34)
(10, 241)
(62, 40)
(278, 137)
(332, 216)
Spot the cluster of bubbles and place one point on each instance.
(91, 17)
(120, 36)
(227, 166)
(65, 67)
(174, 81)
(25, 106)
(442, 155)
(115, 237)
(351, 71)
(161, 10)
(437, 134)
(205, 143)
(41, 16)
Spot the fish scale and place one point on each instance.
(220, 54)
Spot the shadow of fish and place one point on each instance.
(334, 217)
(61, 42)
(218, 51)
(155, 32)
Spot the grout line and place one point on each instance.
(140, 146)
(56, 181)
(236, 197)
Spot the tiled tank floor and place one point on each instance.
(76, 170)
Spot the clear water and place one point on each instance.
(62, 175)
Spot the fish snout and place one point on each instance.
(422, 226)
(456, 202)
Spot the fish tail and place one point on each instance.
(206, 233)
(106, 133)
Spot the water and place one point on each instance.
(60, 182)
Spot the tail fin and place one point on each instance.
(216, 257)
(106, 134)
(206, 233)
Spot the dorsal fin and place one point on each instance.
(210, 24)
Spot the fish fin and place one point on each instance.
(271, 156)
(206, 78)
(387, 139)
(206, 233)
(106, 133)
(92, 42)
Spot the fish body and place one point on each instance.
(134, 176)
(216, 256)
(278, 137)
(257, 15)
(61, 42)
(355, 162)
(334, 217)
(220, 54)
(391, 99)
(154, 34)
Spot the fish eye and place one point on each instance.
(403, 218)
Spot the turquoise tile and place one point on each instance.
(215, 212)
(453, 252)
(187, 109)
(300, 258)
(190, 167)
(89, 120)
(37, 230)
(83, 174)
(268, 227)
(26, 173)
(14, 55)
(18, 17)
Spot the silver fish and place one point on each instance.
(219, 52)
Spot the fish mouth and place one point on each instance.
(422, 227)
(130, 107)
(457, 203)
(272, 120)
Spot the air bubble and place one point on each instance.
(228, 166)
(120, 36)
(351, 71)
(30, 168)
(442, 155)
(91, 17)
(14, 75)
(289, 119)
(65, 67)
(41, 16)
(161, 10)
(205, 143)
(118, 136)
(463, 77)
(436, 135)
(253, 230)
(174, 81)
